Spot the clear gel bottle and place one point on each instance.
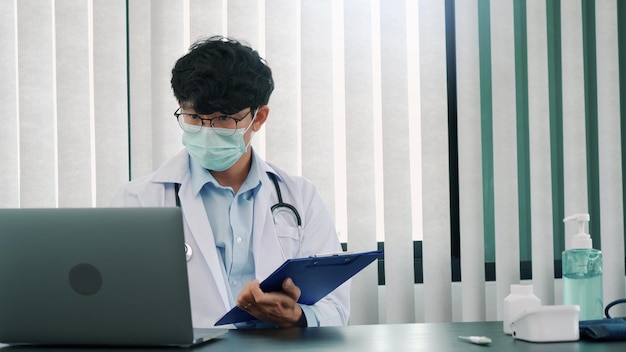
(582, 273)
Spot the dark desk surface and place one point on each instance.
(439, 337)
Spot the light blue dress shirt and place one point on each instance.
(231, 217)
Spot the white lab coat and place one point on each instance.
(209, 297)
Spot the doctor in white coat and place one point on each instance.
(226, 193)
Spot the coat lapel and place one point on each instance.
(198, 223)
(267, 251)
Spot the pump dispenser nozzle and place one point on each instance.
(581, 239)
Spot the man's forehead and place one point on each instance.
(186, 105)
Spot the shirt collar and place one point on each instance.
(253, 181)
(201, 176)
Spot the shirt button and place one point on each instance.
(239, 239)
(235, 282)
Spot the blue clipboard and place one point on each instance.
(316, 276)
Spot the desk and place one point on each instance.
(437, 337)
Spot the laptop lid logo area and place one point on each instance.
(85, 279)
(94, 276)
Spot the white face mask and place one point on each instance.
(214, 151)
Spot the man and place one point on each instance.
(226, 193)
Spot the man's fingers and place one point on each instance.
(291, 289)
(247, 296)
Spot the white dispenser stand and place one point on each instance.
(519, 300)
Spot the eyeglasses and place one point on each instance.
(224, 125)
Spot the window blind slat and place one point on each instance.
(37, 105)
(396, 163)
(539, 143)
(167, 45)
(283, 127)
(318, 97)
(140, 83)
(574, 146)
(362, 116)
(470, 169)
(74, 98)
(435, 162)
(110, 98)
(206, 18)
(505, 177)
(611, 178)
(9, 89)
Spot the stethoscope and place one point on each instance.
(188, 250)
(280, 206)
(276, 209)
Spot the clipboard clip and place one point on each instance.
(323, 255)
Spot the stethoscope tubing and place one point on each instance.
(280, 204)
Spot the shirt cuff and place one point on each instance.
(309, 314)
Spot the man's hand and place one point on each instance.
(279, 308)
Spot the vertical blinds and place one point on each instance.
(363, 104)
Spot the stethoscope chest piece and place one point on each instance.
(188, 252)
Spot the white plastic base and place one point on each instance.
(547, 324)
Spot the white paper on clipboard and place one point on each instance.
(316, 276)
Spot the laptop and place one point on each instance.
(95, 276)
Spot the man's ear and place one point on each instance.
(261, 116)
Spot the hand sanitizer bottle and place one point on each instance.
(582, 273)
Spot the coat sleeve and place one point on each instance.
(320, 236)
(128, 195)
(143, 192)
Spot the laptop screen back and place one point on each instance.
(114, 276)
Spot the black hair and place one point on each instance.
(222, 74)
